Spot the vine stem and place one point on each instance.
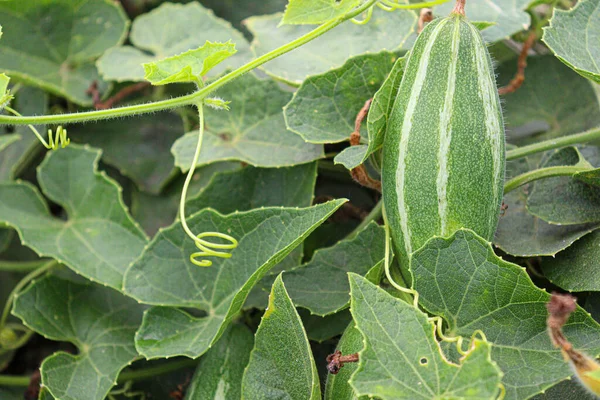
(192, 98)
(374, 215)
(21, 266)
(542, 173)
(578, 138)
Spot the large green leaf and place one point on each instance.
(565, 200)
(251, 187)
(386, 31)
(321, 285)
(28, 101)
(137, 147)
(100, 322)
(98, 240)
(553, 100)
(265, 237)
(219, 374)
(338, 386)
(509, 17)
(319, 329)
(574, 37)
(567, 389)
(253, 131)
(323, 110)
(53, 44)
(401, 358)
(461, 279)
(522, 234)
(577, 268)
(166, 31)
(316, 11)
(281, 363)
(236, 11)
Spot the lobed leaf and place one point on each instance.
(324, 108)
(100, 322)
(59, 55)
(281, 363)
(98, 240)
(574, 37)
(316, 11)
(253, 131)
(190, 66)
(402, 359)
(164, 275)
(168, 30)
(390, 32)
(462, 280)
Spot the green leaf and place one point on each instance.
(461, 279)
(319, 329)
(281, 363)
(321, 285)
(553, 101)
(522, 234)
(251, 187)
(137, 147)
(28, 101)
(100, 322)
(573, 37)
(98, 239)
(7, 140)
(402, 359)
(323, 110)
(387, 31)
(236, 12)
(380, 109)
(316, 11)
(11, 393)
(219, 374)
(338, 386)
(253, 131)
(166, 31)
(576, 269)
(509, 17)
(5, 96)
(190, 66)
(58, 56)
(265, 237)
(567, 389)
(565, 200)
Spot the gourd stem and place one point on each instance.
(192, 98)
(542, 173)
(583, 137)
(459, 8)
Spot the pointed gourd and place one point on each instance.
(444, 149)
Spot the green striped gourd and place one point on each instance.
(444, 156)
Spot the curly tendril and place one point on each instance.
(53, 143)
(207, 248)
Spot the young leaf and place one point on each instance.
(391, 32)
(59, 58)
(338, 386)
(461, 279)
(321, 285)
(565, 200)
(190, 66)
(316, 11)
(100, 322)
(250, 131)
(323, 110)
(166, 31)
(572, 37)
(251, 187)
(281, 363)
(522, 234)
(402, 359)
(265, 237)
(220, 372)
(98, 240)
(508, 17)
(5, 96)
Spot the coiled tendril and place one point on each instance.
(53, 143)
(207, 248)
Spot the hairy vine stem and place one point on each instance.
(578, 138)
(542, 173)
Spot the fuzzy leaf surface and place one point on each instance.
(265, 237)
(316, 11)
(98, 240)
(99, 321)
(281, 363)
(253, 131)
(462, 280)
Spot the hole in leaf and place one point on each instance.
(423, 361)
